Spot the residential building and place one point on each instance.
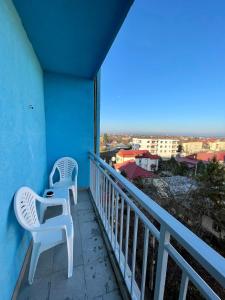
(190, 147)
(213, 227)
(132, 171)
(164, 147)
(147, 161)
(125, 155)
(51, 54)
(209, 155)
(217, 145)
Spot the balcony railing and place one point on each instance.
(123, 207)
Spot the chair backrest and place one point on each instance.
(65, 166)
(25, 208)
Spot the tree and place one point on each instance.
(105, 138)
(138, 182)
(180, 149)
(201, 167)
(210, 196)
(182, 169)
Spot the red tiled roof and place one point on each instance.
(147, 155)
(131, 153)
(133, 171)
(206, 156)
(118, 165)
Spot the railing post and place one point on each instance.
(183, 286)
(162, 260)
(97, 200)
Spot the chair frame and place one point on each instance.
(62, 226)
(65, 167)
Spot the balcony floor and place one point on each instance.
(93, 277)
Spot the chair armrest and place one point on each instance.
(62, 223)
(51, 178)
(49, 227)
(55, 202)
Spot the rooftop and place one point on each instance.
(147, 155)
(133, 171)
(206, 156)
(93, 277)
(131, 153)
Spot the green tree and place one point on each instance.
(180, 148)
(209, 199)
(201, 167)
(105, 138)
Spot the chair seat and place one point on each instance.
(63, 183)
(51, 238)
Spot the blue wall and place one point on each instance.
(22, 138)
(69, 105)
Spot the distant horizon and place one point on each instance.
(165, 71)
(161, 134)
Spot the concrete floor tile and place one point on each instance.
(60, 259)
(114, 295)
(86, 216)
(93, 249)
(99, 278)
(45, 264)
(93, 278)
(89, 230)
(68, 288)
(39, 290)
(85, 205)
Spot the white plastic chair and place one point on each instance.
(54, 231)
(65, 166)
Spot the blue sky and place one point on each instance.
(165, 72)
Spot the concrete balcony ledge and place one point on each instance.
(93, 276)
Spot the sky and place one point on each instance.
(165, 73)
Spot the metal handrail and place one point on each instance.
(212, 261)
(208, 257)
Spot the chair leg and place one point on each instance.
(70, 255)
(42, 212)
(33, 263)
(74, 192)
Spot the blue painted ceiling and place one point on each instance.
(72, 36)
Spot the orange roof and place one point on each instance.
(206, 156)
(131, 153)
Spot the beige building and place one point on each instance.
(217, 145)
(190, 147)
(164, 147)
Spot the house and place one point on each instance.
(147, 161)
(132, 171)
(51, 53)
(213, 227)
(209, 155)
(125, 155)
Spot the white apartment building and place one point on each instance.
(164, 147)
